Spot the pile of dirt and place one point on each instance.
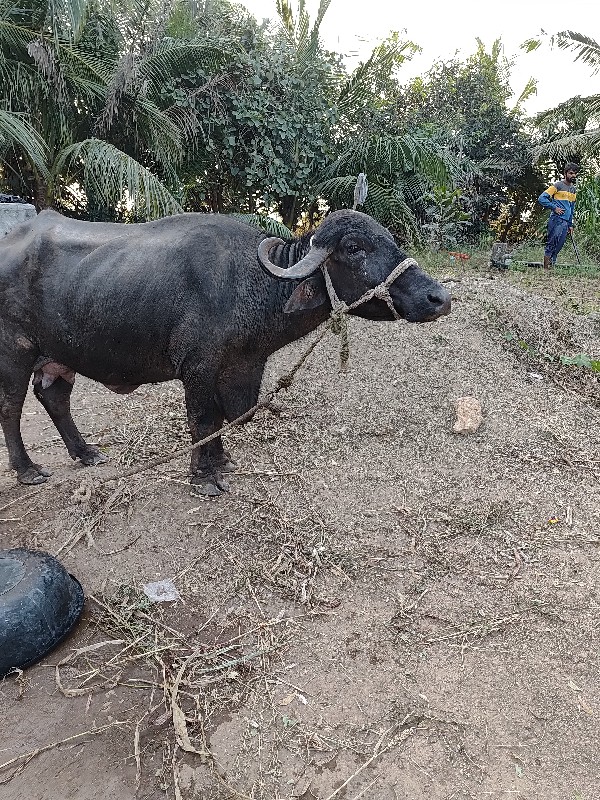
(381, 607)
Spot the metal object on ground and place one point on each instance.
(11, 198)
(518, 263)
(39, 605)
(500, 255)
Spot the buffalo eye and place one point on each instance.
(354, 247)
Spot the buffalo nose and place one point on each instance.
(441, 300)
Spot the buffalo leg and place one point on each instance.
(56, 399)
(13, 389)
(239, 389)
(205, 417)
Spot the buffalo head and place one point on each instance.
(359, 254)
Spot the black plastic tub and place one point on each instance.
(39, 605)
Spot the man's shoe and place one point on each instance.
(547, 262)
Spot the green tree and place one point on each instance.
(291, 129)
(467, 104)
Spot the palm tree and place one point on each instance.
(80, 113)
(401, 171)
(580, 131)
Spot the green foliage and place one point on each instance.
(581, 360)
(587, 222)
(108, 173)
(563, 132)
(142, 110)
(571, 132)
(368, 96)
(446, 220)
(267, 224)
(267, 119)
(16, 132)
(585, 48)
(466, 103)
(401, 172)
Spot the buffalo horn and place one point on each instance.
(305, 267)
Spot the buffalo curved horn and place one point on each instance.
(305, 267)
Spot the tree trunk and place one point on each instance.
(288, 211)
(42, 197)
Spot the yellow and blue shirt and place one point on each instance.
(560, 195)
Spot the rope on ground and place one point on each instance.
(284, 382)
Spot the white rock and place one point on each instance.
(469, 415)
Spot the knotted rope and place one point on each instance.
(340, 309)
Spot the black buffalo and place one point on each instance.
(187, 297)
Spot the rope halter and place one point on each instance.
(339, 309)
(380, 292)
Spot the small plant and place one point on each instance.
(581, 360)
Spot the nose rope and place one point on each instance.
(339, 309)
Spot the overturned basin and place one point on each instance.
(39, 605)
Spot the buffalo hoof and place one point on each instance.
(209, 485)
(34, 475)
(92, 458)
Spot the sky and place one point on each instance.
(354, 27)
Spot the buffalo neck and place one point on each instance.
(287, 327)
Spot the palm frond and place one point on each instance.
(528, 90)
(321, 11)
(72, 12)
(161, 131)
(267, 224)
(529, 45)
(16, 131)
(174, 59)
(385, 203)
(20, 84)
(392, 155)
(115, 178)
(391, 209)
(297, 30)
(15, 38)
(286, 16)
(359, 85)
(587, 49)
(339, 190)
(564, 147)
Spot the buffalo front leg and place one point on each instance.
(56, 399)
(13, 389)
(238, 389)
(208, 461)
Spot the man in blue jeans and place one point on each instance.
(560, 199)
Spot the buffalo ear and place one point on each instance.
(308, 294)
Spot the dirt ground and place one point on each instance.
(380, 608)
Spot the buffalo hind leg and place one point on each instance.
(56, 399)
(13, 390)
